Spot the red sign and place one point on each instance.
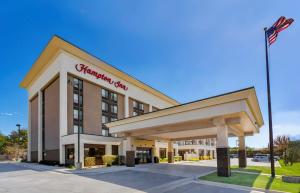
(85, 69)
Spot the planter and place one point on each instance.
(291, 179)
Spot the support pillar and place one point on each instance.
(40, 129)
(170, 152)
(130, 153)
(108, 149)
(63, 112)
(80, 164)
(126, 106)
(29, 133)
(176, 151)
(223, 156)
(242, 152)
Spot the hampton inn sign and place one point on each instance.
(85, 69)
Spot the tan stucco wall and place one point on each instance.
(34, 126)
(52, 116)
(146, 108)
(91, 108)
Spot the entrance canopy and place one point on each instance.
(239, 110)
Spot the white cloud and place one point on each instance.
(6, 114)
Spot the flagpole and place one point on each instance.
(269, 108)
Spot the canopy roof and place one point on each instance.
(239, 109)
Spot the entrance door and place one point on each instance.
(69, 155)
(144, 154)
(94, 150)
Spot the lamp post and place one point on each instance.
(19, 131)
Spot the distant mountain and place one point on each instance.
(295, 137)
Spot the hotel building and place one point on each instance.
(80, 106)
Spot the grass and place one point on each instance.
(254, 180)
(257, 180)
(289, 170)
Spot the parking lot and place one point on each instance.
(34, 178)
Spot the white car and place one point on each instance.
(261, 158)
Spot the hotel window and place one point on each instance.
(78, 105)
(138, 108)
(104, 106)
(109, 109)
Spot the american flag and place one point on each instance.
(281, 24)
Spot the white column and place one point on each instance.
(108, 149)
(223, 158)
(126, 103)
(75, 150)
(40, 143)
(170, 146)
(130, 144)
(120, 148)
(82, 153)
(176, 151)
(222, 136)
(242, 152)
(242, 145)
(63, 111)
(29, 132)
(150, 108)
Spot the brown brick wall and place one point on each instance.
(146, 108)
(121, 106)
(91, 108)
(130, 106)
(34, 156)
(52, 120)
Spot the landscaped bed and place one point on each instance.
(258, 177)
(292, 170)
(255, 181)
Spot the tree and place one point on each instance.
(3, 142)
(16, 143)
(282, 142)
(293, 152)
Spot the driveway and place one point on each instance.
(233, 162)
(150, 178)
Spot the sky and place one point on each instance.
(189, 50)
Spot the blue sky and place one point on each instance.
(187, 49)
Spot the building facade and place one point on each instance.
(80, 106)
(72, 95)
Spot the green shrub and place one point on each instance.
(90, 161)
(108, 159)
(178, 158)
(193, 159)
(163, 160)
